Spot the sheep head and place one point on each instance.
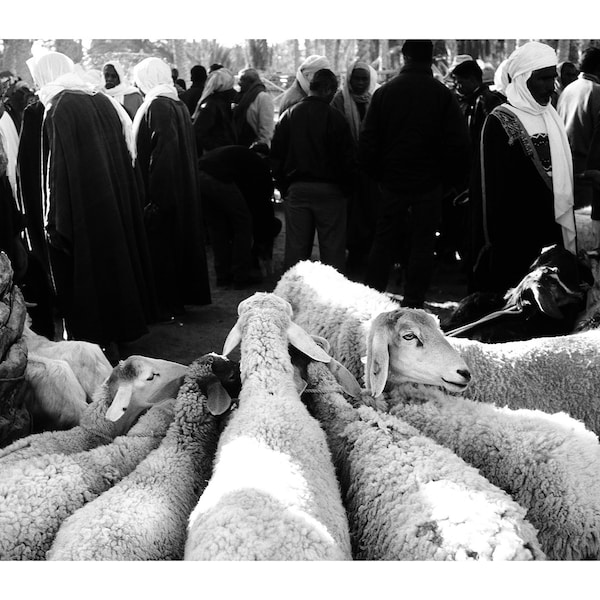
(407, 345)
(138, 383)
(263, 305)
(219, 380)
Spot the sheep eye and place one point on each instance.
(152, 376)
(409, 336)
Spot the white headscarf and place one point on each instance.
(53, 72)
(118, 92)
(10, 140)
(153, 77)
(350, 109)
(501, 77)
(220, 80)
(308, 68)
(526, 59)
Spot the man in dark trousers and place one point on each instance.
(313, 164)
(415, 143)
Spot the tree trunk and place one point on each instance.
(180, 58)
(562, 50)
(363, 50)
(16, 53)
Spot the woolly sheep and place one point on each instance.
(144, 517)
(554, 374)
(95, 429)
(410, 345)
(86, 360)
(38, 493)
(549, 464)
(409, 498)
(273, 494)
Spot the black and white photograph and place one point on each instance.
(284, 287)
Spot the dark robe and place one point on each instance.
(518, 208)
(213, 121)
(97, 243)
(168, 162)
(252, 175)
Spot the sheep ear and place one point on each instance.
(218, 400)
(234, 338)
(298, 338)
(321, 341)
(545, 301)
(378, 359)
(345, 378)
(120, 402)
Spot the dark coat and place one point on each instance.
(98, 248)
(213, 121)
(519, 211)
(166, 156)
(313, 142)
(414, 136)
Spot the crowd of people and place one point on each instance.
(111, 188)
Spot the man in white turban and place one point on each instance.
(91, 209)
(523, 197)
(166, 156)
(117, 86)
(301, 86)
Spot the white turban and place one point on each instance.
(153, 77)
(308, 68)
(53, 72)
(521, 64)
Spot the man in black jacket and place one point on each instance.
(415, 144)
(314, 165)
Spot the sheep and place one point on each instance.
(410, 344)
(95, 429)
(549, 464)
(144, 517)
(546, 302)
(553, 374)
(409, 498)
(273, 494)
(39, 493)
(87, 361)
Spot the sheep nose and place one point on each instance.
(464, 373)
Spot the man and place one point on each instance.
(523, 200)
(301, 84)
(92, 210)
(191, 96)
(167, 160)
(116, 86)
(314, 167)
(254, 115)
(579, 107)
(476, 101)
(236, 189)
(567, 74)
(415, 144)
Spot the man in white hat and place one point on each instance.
(523, 197)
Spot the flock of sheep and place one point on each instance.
(351, 429)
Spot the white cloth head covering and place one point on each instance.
(220, 80)
(53, 72)
(308, 68)
(526, 59)
(350, 98)
(501, 77)
(124, 87)
(9, 136)
(153, 77)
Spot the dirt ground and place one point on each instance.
(204, 328)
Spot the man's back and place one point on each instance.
(414, 132)
(579, 108)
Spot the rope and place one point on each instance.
(512, 310)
